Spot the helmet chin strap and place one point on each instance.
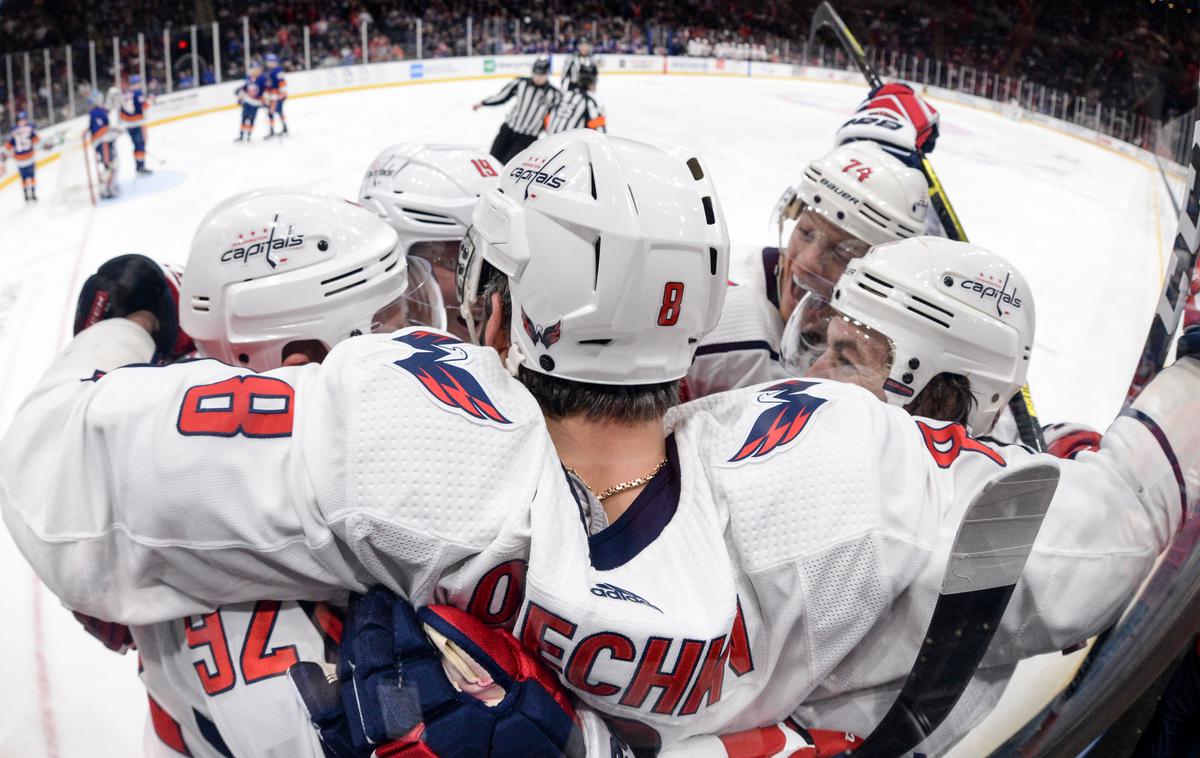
(515, 356)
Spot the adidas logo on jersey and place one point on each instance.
(604, 589)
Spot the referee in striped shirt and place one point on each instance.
(535, 98)
(579, 109)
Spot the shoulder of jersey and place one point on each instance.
(438, 441)
(789, 464)
(436, 377)
(747, 314)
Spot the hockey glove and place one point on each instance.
(472, 691)
(895, 117)
(1189, 343)
(114, 636)
(1069, 440)
(130, 283)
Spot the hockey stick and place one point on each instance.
(1142, 644)
(986, 560)
(825, 16)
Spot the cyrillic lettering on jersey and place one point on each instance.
(599, 664)
(579, 669)
(539, 623)
(650, 674)
(498, 595)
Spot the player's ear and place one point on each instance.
(495, 331)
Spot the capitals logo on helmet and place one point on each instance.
(781, 423)
(546, 335)
(435, 364)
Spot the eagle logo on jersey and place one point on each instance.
(781, 423)
(546, 335)
(435, 364)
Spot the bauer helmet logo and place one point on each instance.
(263, 242)
(992, 288)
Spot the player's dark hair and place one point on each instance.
(947, 397)
(560, 398)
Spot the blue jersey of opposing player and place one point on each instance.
(276, 94)
(253, 89)
(20, 144)
(251, 95)
(21, 140)
(99, 133)
(133, 105)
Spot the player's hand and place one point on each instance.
(128, 284)
(1189, 344)
(894, 116)
(114, 636)
(1069, 440)
(472, 691)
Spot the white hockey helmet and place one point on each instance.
(914, 309)
(427, 194)
(276, 266)
(850, 199)
(617, 257)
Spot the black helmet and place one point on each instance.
(541, 65)
(587, 74)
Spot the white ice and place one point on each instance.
(1088, 227)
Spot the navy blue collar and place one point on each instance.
(651, 511)
(770, 256)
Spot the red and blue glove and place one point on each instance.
(1069, 440)
(471, 691)
(897, 118)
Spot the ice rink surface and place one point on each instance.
(1089, 228)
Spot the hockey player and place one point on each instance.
(535, 98)
(253, 303)
(427, 194)
(742, 557)
(276, 94)
(943, 329)
(575, 64)
(579, 108)
(133, 116)
(854, 197)
(250, 94)
(20, 145)
(102, 138)
(869, 192)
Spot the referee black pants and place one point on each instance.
(508, 143)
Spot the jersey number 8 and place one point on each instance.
(668, 314)
(251, 406)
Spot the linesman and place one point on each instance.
(535, 97)
(579, 108)
(581, 57)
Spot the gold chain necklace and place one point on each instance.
(623, 486)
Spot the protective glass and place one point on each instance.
(821, 342)
(470, 298)
(420, 304)
(442, 257)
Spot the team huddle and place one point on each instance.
(498, 461)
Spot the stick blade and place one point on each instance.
(999, 528)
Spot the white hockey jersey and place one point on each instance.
(219, 680)
(743, 349)
(789, 555)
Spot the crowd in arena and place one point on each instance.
(1138, 57)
